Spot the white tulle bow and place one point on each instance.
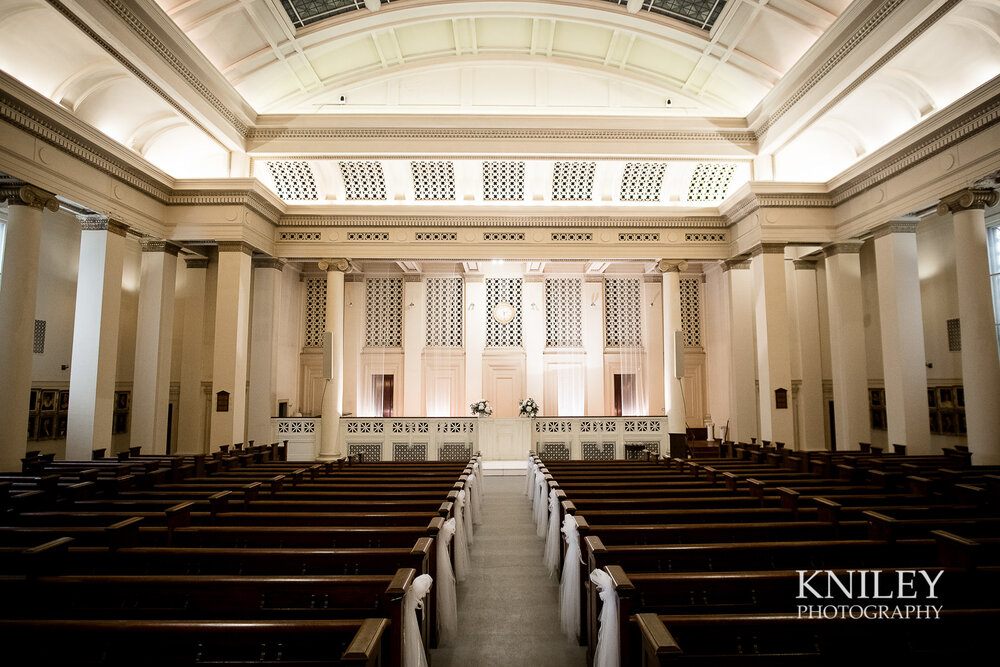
(552, 544)
(541, 507)
(447, 601)
(607, 652)
(413, 645)
(569, 586)
(461, 546)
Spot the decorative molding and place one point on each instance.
(672, 265)
(267, 263)
(768, 249)
(196, 262)
(737, 263)
(251, 199)
(100, 223)
(894, 227)
(842, 248)
(753, 202)
(338, 264)
(19, 193)
(500, 133)
(236, 246)
(159, 245)
(610, 222)
(804, 264)
(967, 200)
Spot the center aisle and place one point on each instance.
(508, 608)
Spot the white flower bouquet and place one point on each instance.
(528, 408)
(481, 408)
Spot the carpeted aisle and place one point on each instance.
(508, 608)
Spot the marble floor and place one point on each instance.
(508, 606)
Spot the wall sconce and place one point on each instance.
(593, 301)
(472, 307)
(534, 306)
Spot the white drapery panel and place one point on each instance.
(541, 506)
(477, 472)
(569, 586)
(469, 509)
(447, 600)
(607, 652)
(413, 645)
(529, 477)
(552, 543)
(461, 546)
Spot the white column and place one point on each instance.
(333, 393)
(847, 345)
(17, 313)
(95, 337)
(812, 435)
(263, 403)
(774, 371)
(903, 353)
(980, 365)
(475, 339)
(153, 341)
(534, 338)
(229, 350)
(191, 410)
(742, 370)
(414, 340)
(673, 396)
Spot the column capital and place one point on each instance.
(898, 226)
(737, 263)
(804, 264)
(267, 263)
(19, 193)
(336, 264)
(768, 249)
(196, 262)
(159, 245)
(842, 248)
(672, 265)
(235, 246)
(970, 198)
(102, 223)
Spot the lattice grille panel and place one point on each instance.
(563, 317)
(573, 181)
(691, 311)
(503, 236)
(598, 451)
(363, 180)
(642, 181)
(555, 451)
(300, 236)
(435, 236)
(433, 179)
(293, 179)
(371, 451)
(367, 236)
(954, 335)
(38, 343)
(402, 451)
(455, 451)
(634, 449)
(315, 311)
(503, 180)
(500, 290)
(384, 312)
(639, 237)
(710, 181)
(444, 312)
(622, 312)
(705, 237)
(571, 236)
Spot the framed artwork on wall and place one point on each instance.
(48, 400)
(63, 401)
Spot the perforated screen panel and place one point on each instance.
(384, 312)
(503, 180)
(691, 311)
(710, 181)
(433, 179)
(642, 181)
(503, 290)
(315, 311)
(363, 180)
(444, 312)
(622, 312)
(563, 305)
(293, 179)
(573, 181)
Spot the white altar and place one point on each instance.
(504, 438)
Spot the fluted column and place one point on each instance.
(742, 355)
(153, 345)
(95, 337)
(980, 365)
(811, 433)
(229, 349)
(333, 395)
(673, 395)
(17, 312)
(263, 403)
(903, 353)
(191, 407)
(774, 372)
(848, 355)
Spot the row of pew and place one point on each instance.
(716, 561)
(239, 558)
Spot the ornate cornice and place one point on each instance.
(671, 265)
(249, 198)
(736, 263)
(235, 246)
(967, 125)
(754, 201)
(100, 223)
(690, 221)
(196, 262)
(267, 263)
(968, 199)
(804, 264)
(498, 133)
(842, 248)
(159, 245)
(337, 264)
(768, 249)
(19, 193)
(894, 227)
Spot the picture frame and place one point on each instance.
(46, 427)
(931, 398)
(32, 427)
(120, 424)
(63, 401)
(62, 421)
(33, 400)
(48, 401)
(946, 397)
(121, 400)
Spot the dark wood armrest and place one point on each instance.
(401, 582)
(423, 546)
(880, 526)
(956, 551)
(367, 642)
(623, 584)
(124, 533)
(434, 527)
(829, 510)
(656, 639)
(594, 545)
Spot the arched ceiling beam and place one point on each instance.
(98, 86)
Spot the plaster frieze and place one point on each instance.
(895, 227)
(842, 248)
(271, 134)
(767, 249)
(236, 246)
(736, 263)
(692, 221)
(100, 223)
(19, 193)
(196, 262)
(267, 263)
(159, 245)
(754, 201)
(336, 264)
(253, 200)
(968, 199)
(804, 264)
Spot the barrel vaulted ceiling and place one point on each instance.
(358, 92)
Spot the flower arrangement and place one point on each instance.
(481, 408)
(528, 408)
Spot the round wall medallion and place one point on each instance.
(503, 312)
